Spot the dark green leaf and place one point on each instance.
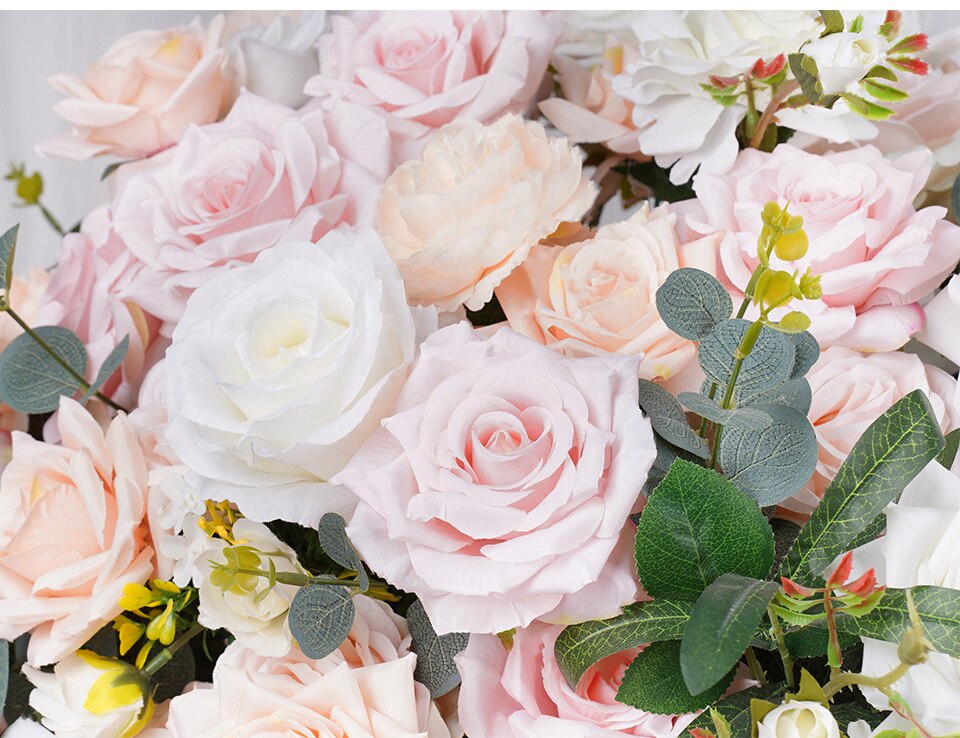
(668, 420)
(950, 447)
(695, 527)
(811, 642)
(851, 712)
(653, 683)
(770, 464)
(109, 366)
(580, 646)
(741, 417)
(31, 381)
(736, 709)
(721, 626)
(691, 302)
(768, 365)
(888, 455)
(667, 453)
(336, 545)
(320, 618)
(832, 22)
(436, 668)
(4, 672)
(807, 74)
(8, 251)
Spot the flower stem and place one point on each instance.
(163, 657)
(845, 679)
(756, 671)
(785, 90)
(54, 223)
(785, 656)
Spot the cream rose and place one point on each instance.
(799, 719)
(72, 532)
(280, 370)
(599, 296)
(138, 98)
(465, 214)
(844, 58)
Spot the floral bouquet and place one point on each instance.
(508, 374)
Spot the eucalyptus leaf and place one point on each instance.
(770, 464)
(805, 355)
(741, 417)
(110, 365)
(667, 453)
(320, 618)
(668, 419)
(336, 544)
(32, 381)
(793, 393)
(768, 365)
(691, 302)
(8, 251)
(436, 669)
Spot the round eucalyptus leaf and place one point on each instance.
(320, 618)
(768, 365)
(691, 302)
(32, 381)
(806, 352)
(668, 419)
(741, 417)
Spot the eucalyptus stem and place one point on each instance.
(296, 579)
(163, 657)
(785, 656)
(845, 679)
(84, 384)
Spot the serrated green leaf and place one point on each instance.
(879, 71)
(653, 683)
(4, 672)
(736, 708)
(768, 365)
(832, 22)
(807, 74)
(850, 712)
(721, 627)
(436, 669)
(888, 455)
(864, 107)
(31, 381)
(8, 251)
(770, 464)
(580, 646)
(110, 365)
(668, 420)
(667, 453)
(882, 92)
(691, 302)
(950, 447)
(695, 527)
(336, 544)
(320, 618)
(741, 417)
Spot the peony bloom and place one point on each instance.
(500, 487)
(465, 214)
(921, 547)
(799, 719)
(72, 532)
(228, 191)
(138, 98)
(83, 297)
(850, 391)
(599, 296)
(280, 370)
(877, 255)
(521, 693)
(275, 51)
(422, 70)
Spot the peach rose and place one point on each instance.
(850, 391)
(499, 489)
(465, 214)
(599, 296)
(877, 255)
(521, 693)
(72, 532)
(424, 69)
(138, 98)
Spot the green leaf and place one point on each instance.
(885, 93)
(667, 453)
(320, 618)
(856, 25)
(111, 168)
(950, 447)
(864, 107)
(653, 683)
(31, 381)
(4, 672)
(939, 610)
(436, 669)
(811, 642)
(736, 708)
(768, 365)
(668, 420)
(770, 464)
(850, 712)
(8, 250)
(881, 72)
(743, 417)
(721, 627)
(807, 74)
(695, 527)
(832, 22)
(336, 545)
(109, 366)
(793, 393)
(691, 302)
(889, 454)
(580, 646)
(806, 352)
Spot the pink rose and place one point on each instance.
(82, 297)
(141, 95)
(850, 391)
(521, 693)
(500, 488)
(72, 532)
(425, 69)
(598, 296)
(229, 190)
(878, 256)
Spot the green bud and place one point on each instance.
(792, 245)
(794, 224)
(810, 286)
(793, 322)
(30, 188)
(770, 213)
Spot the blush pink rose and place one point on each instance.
(598, 296)
(521, 693)
(138, 98)
(72, 532)
(425, 69)
(232, 189)
(82, 297)
(877, 255)
(500, 488)
(850, 391)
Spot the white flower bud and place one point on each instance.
(799, 720)
(844, 58)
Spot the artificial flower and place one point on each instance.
(940, 330)
(799, 719)
(843, 59)
(586, 34)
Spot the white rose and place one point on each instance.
(278, 371)
(260, 626)
(24, 728)
(843, 58)
(921, 546)
(799, 720)
(584, 33)
(940, 330)
(89, 696)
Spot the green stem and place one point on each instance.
(847, 679)
(163, 657)
(299, 580)
(83, 383)
(756, 671)
(785, 656)
(54, 223)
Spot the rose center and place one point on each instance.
(280, 334)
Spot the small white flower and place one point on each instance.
(844, 58)
(799, 719)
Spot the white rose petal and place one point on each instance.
(799, 720)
